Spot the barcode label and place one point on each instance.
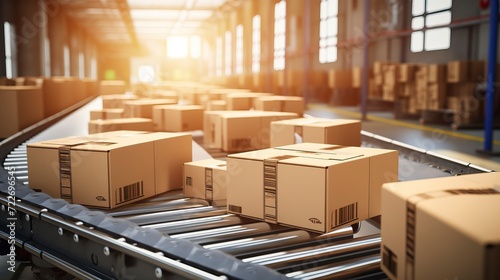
(346, 214)
(65, 173)
(390, 261)
(234, 208)
(189, 181)
(129, 192)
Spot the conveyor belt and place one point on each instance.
(174, 237)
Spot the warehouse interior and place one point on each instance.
(418, 77)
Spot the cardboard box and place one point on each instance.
(177, 118)
(140, 124)
(338, 79)
(356, 77)
(457, 71)
(143, 108)
(292, 104)
(406, 72)
(58, 94)
(116, 100)
(216, 105)
(206, 179)
(390, 75)
(436, 73)
(164, 94)
(444, 228)
(316, 130)
(236, 131)
(106, 114)
(107, 171)
(270, 184)
(243, 101)
(112, 87)
(20, 107)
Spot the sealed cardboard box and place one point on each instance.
(177, 118)
(58, 94)
(316, 130)
(143, 108)
(269, 184)
(234, 131)
(107, 171)
(436, 73)
(457, 71)
(206, 179)
(406, 72)
(356, 77)
(292, 104)
(442, 228)
(99, 126)
(106, 114)
(112, 87)
(116, 100)
(20, 107)
(216, 105)
(243, 101)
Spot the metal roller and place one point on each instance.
(175, 215)
(198, 224)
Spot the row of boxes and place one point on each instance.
(37, 98)
(110, 169)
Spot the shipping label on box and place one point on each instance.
(460, 212)
(206, 179)
(316, 130)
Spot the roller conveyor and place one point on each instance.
(174, 237)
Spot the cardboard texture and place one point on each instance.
(177, 118)
(216, 105)
(236, 131)
(206, 179)
(107, 171)
(457, 71)
(270, 184)
(99, 126)
(444, 228)
(356, 77)
(116, 100)
(338, 79)
(58, 94)
(292, 104)
(316, 130)
(106, 114)
(143, 108)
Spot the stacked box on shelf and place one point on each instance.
(436, 93)
(407, 88)
(390, 78)
(463, 97)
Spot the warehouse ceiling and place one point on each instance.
(134, 22)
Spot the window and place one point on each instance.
(218, 56)
(195, 47)
(177, 47)
(146, 74)
(239, 49)
(328, 29)
(8, 32)
(429, 14)
(227, 50)
(256, 44)
(279, 35)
